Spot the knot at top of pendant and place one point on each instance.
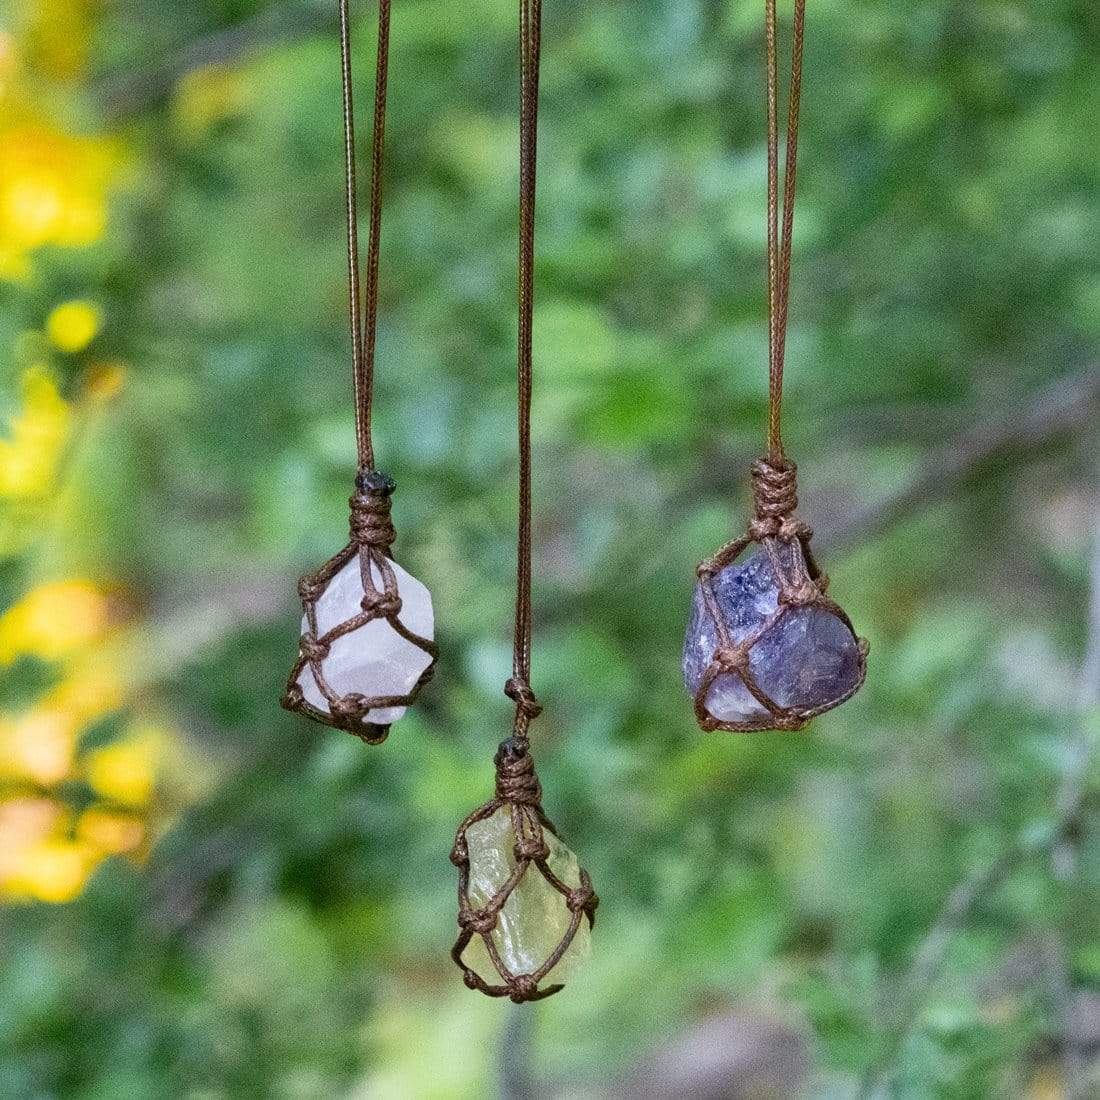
(516, 778)
(774, 495)
(370, 518)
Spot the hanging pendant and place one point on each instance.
(367, 644)
(526, 906)
(765, 647)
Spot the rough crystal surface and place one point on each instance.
(375, 659)
(534, 918)
(808, 659)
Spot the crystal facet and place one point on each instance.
(535, 917)
(375, 659)
(808, 659)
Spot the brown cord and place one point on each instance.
(519, 687)
(774, 494)
(779, 248)
(517, 784)
(363, 332)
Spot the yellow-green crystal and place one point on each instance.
(535, 917)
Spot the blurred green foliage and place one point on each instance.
(287, 935)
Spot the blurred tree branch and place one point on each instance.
(1066, 406)
(1056, 840)
(145, 86)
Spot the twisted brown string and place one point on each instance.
(363, 335)
(516, 778)
(774, 491)
(370, 520)
(779, 249)
(519, 687)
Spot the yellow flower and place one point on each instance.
(72, 326)
(88, 692)
(39, 745)
(58, 34)
(37, 860)
(25, 822)
(52, 620)
(29, 458)
(53, 190)
(7, 62)
(56, 870)
(109, 831)
(125, 771)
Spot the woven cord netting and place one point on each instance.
(801, 585)
(517, 788)
(372, 535)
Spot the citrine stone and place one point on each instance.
(535, 917)
(373, 660)
(808, 659)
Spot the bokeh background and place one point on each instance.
(202, 896)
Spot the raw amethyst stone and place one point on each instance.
(808, 659)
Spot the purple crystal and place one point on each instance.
(808, 659)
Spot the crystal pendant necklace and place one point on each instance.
(366, 646)
(766, 647)
(525, 906)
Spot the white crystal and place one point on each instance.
(535, 917)
(375, 659)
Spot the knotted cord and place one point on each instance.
(779, 247)
(363, 330)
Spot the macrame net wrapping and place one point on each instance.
(801, 584)
(518, 789)
(372, 535)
